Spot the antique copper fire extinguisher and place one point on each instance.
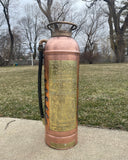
(61, 72)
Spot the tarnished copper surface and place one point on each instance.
(66, 139)
(61, 142)
(58, 49)
(66, 44)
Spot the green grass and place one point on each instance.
(103, 94)
(103, 99)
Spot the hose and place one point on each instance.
(41, 57)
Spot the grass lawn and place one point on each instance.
(103, 94)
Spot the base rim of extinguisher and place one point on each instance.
(61, 143)
(61, 146)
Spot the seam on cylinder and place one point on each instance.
(60, 51)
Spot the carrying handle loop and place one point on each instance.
(41, 57)
(73, 26)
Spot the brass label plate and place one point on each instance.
(62, 95)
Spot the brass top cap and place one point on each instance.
(61, 28)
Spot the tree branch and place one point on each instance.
(49, 3)
(47, 10)
(125, 25)
(41, 8)
(122, 9)
(2, 3)
(62, 10)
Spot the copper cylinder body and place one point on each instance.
(61, 58)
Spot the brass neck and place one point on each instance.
(61, 33)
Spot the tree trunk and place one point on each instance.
(6, 13)
(120, 49)
(11, 46)
(117, 32)
(117, 43)
(34, 55)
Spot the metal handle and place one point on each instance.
(73, 26)
(41, 50)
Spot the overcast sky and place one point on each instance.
(17, 9)
(78, 3)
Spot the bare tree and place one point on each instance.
(1, 20)
(19, 48)
(4, 45)
(91, 30)
(117, 30)
(46, 8)
(126, 31)
(54, 11)
(5, 4)
(90, 55)
(62, 11)
(31, 27)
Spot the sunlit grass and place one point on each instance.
(103, 94)
(103, 99)
(18, 92)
